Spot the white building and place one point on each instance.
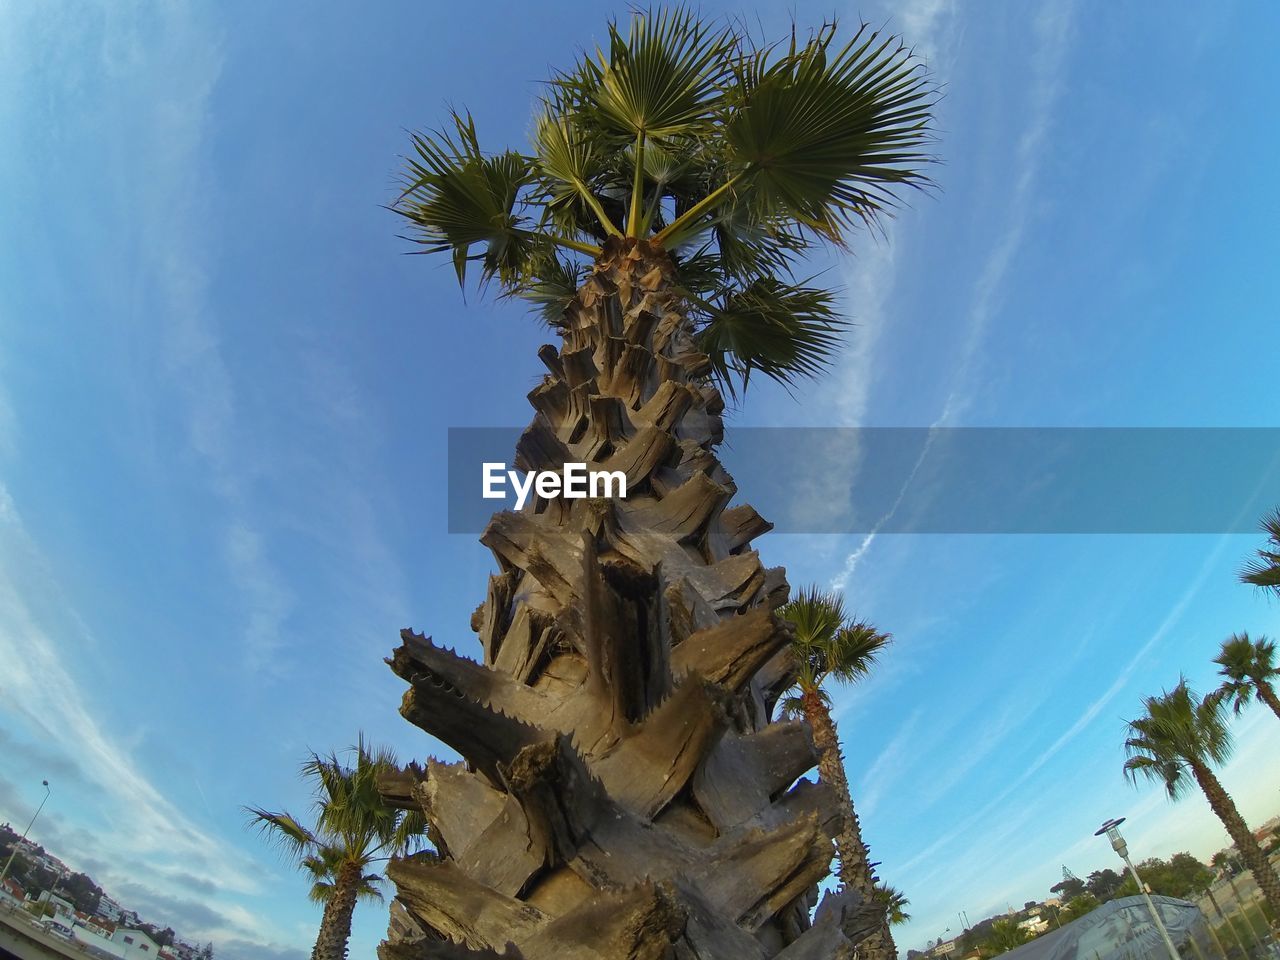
(61, 907)
(108, 909)
(126, 943)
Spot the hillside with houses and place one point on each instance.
(72, 904)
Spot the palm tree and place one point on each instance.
(896, 904)
(1249, 667)
(625, 788)
(1265, 570)
(1005, 936)
(829, 645)
(1178, 741)
(354, 828)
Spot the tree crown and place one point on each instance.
(733, 155)
(828, 642)
(1245, 664)
(354, 826)
(1179, 730)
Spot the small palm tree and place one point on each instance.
(1005, 935)
(1249, 667)
(828, 644)
(1178, 741)
(1265, 570)
(354, 828)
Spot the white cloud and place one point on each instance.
(137, 821)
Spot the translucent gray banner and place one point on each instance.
(958, 480)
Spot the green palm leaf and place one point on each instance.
(458, 198)
(1264, 571)
(824, 134)
(787, 332)
(662, 79)
(573, 171)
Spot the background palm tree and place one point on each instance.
(354, 828)
(1265, 570)
(1005, 935)
(896, 904)
(626, 789)
(1177, 743)
(829, 645)
(1249, 667)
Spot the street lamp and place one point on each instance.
(13, 853)
(1112, 829)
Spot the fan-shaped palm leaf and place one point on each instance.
(782, 330)
(1264, 571)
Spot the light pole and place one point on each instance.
(13, 853)
(1112, 829)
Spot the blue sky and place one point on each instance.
(224, 394)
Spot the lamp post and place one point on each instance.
(1112, 829)
(13, 853)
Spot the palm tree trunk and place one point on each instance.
(625, 793)
(1267, 694)
(855, 863)
(1225, 808)
(335, 925)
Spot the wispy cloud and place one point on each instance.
(137, 820)
(890, 765)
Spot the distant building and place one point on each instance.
(61, 907)
(108, 909)
(95, 925)
(123, 942)
(11, 890)
(1034, 924)
(136, 943)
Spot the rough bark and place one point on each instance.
(335, 924)
(852, 853)
(1267, 694)
(624, 794)
(1225, 809)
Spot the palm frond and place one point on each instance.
(571, 166)
(662, 79)
(551, 286)
(369, 887)
(284, 830)
(855, 649)
(457, 198)
(1264, 570)
(786, 332)
(791, 706)
(827, 134)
